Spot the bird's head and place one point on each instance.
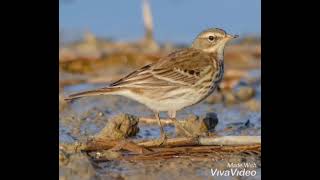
(212, 40)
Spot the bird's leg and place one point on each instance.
(219, 90)
(172, 116)
(163, 136)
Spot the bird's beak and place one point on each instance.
(229, 36)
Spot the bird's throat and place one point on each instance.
(217, 52)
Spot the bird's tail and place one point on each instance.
(96, 92)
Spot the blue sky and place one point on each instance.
(176, 21)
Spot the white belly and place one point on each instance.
(188, 98)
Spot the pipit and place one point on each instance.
(180, 79)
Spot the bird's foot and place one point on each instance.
(162, 140)
(186, 132)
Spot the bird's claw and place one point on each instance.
(186, 132)
(162, 140)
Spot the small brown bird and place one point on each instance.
(180, 79)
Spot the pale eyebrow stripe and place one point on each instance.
(205, 35)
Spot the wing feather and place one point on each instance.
(183, 67)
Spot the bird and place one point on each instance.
(177, 80)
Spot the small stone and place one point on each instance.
(199, 125)
(245, 93)
(229, 98)
(120, 127)
(215, 98)
(211, 120)
(253, 105)
(100, 114)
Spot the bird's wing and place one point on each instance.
(180, 68)
(133, 76)
(184, 67)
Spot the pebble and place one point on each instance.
(199, 125)
(229, 98)
(120, 127)
(215, 98)
(253, 105)
(245, 93)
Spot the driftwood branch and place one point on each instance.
(230, 140)
(130, 146)
(202, 147)
(147, 120)
(204, 141)
(109, 142)
(174, 142)
(201, 152)
(103, 144)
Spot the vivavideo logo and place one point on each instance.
(235, 170)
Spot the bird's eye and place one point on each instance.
(211, 38)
